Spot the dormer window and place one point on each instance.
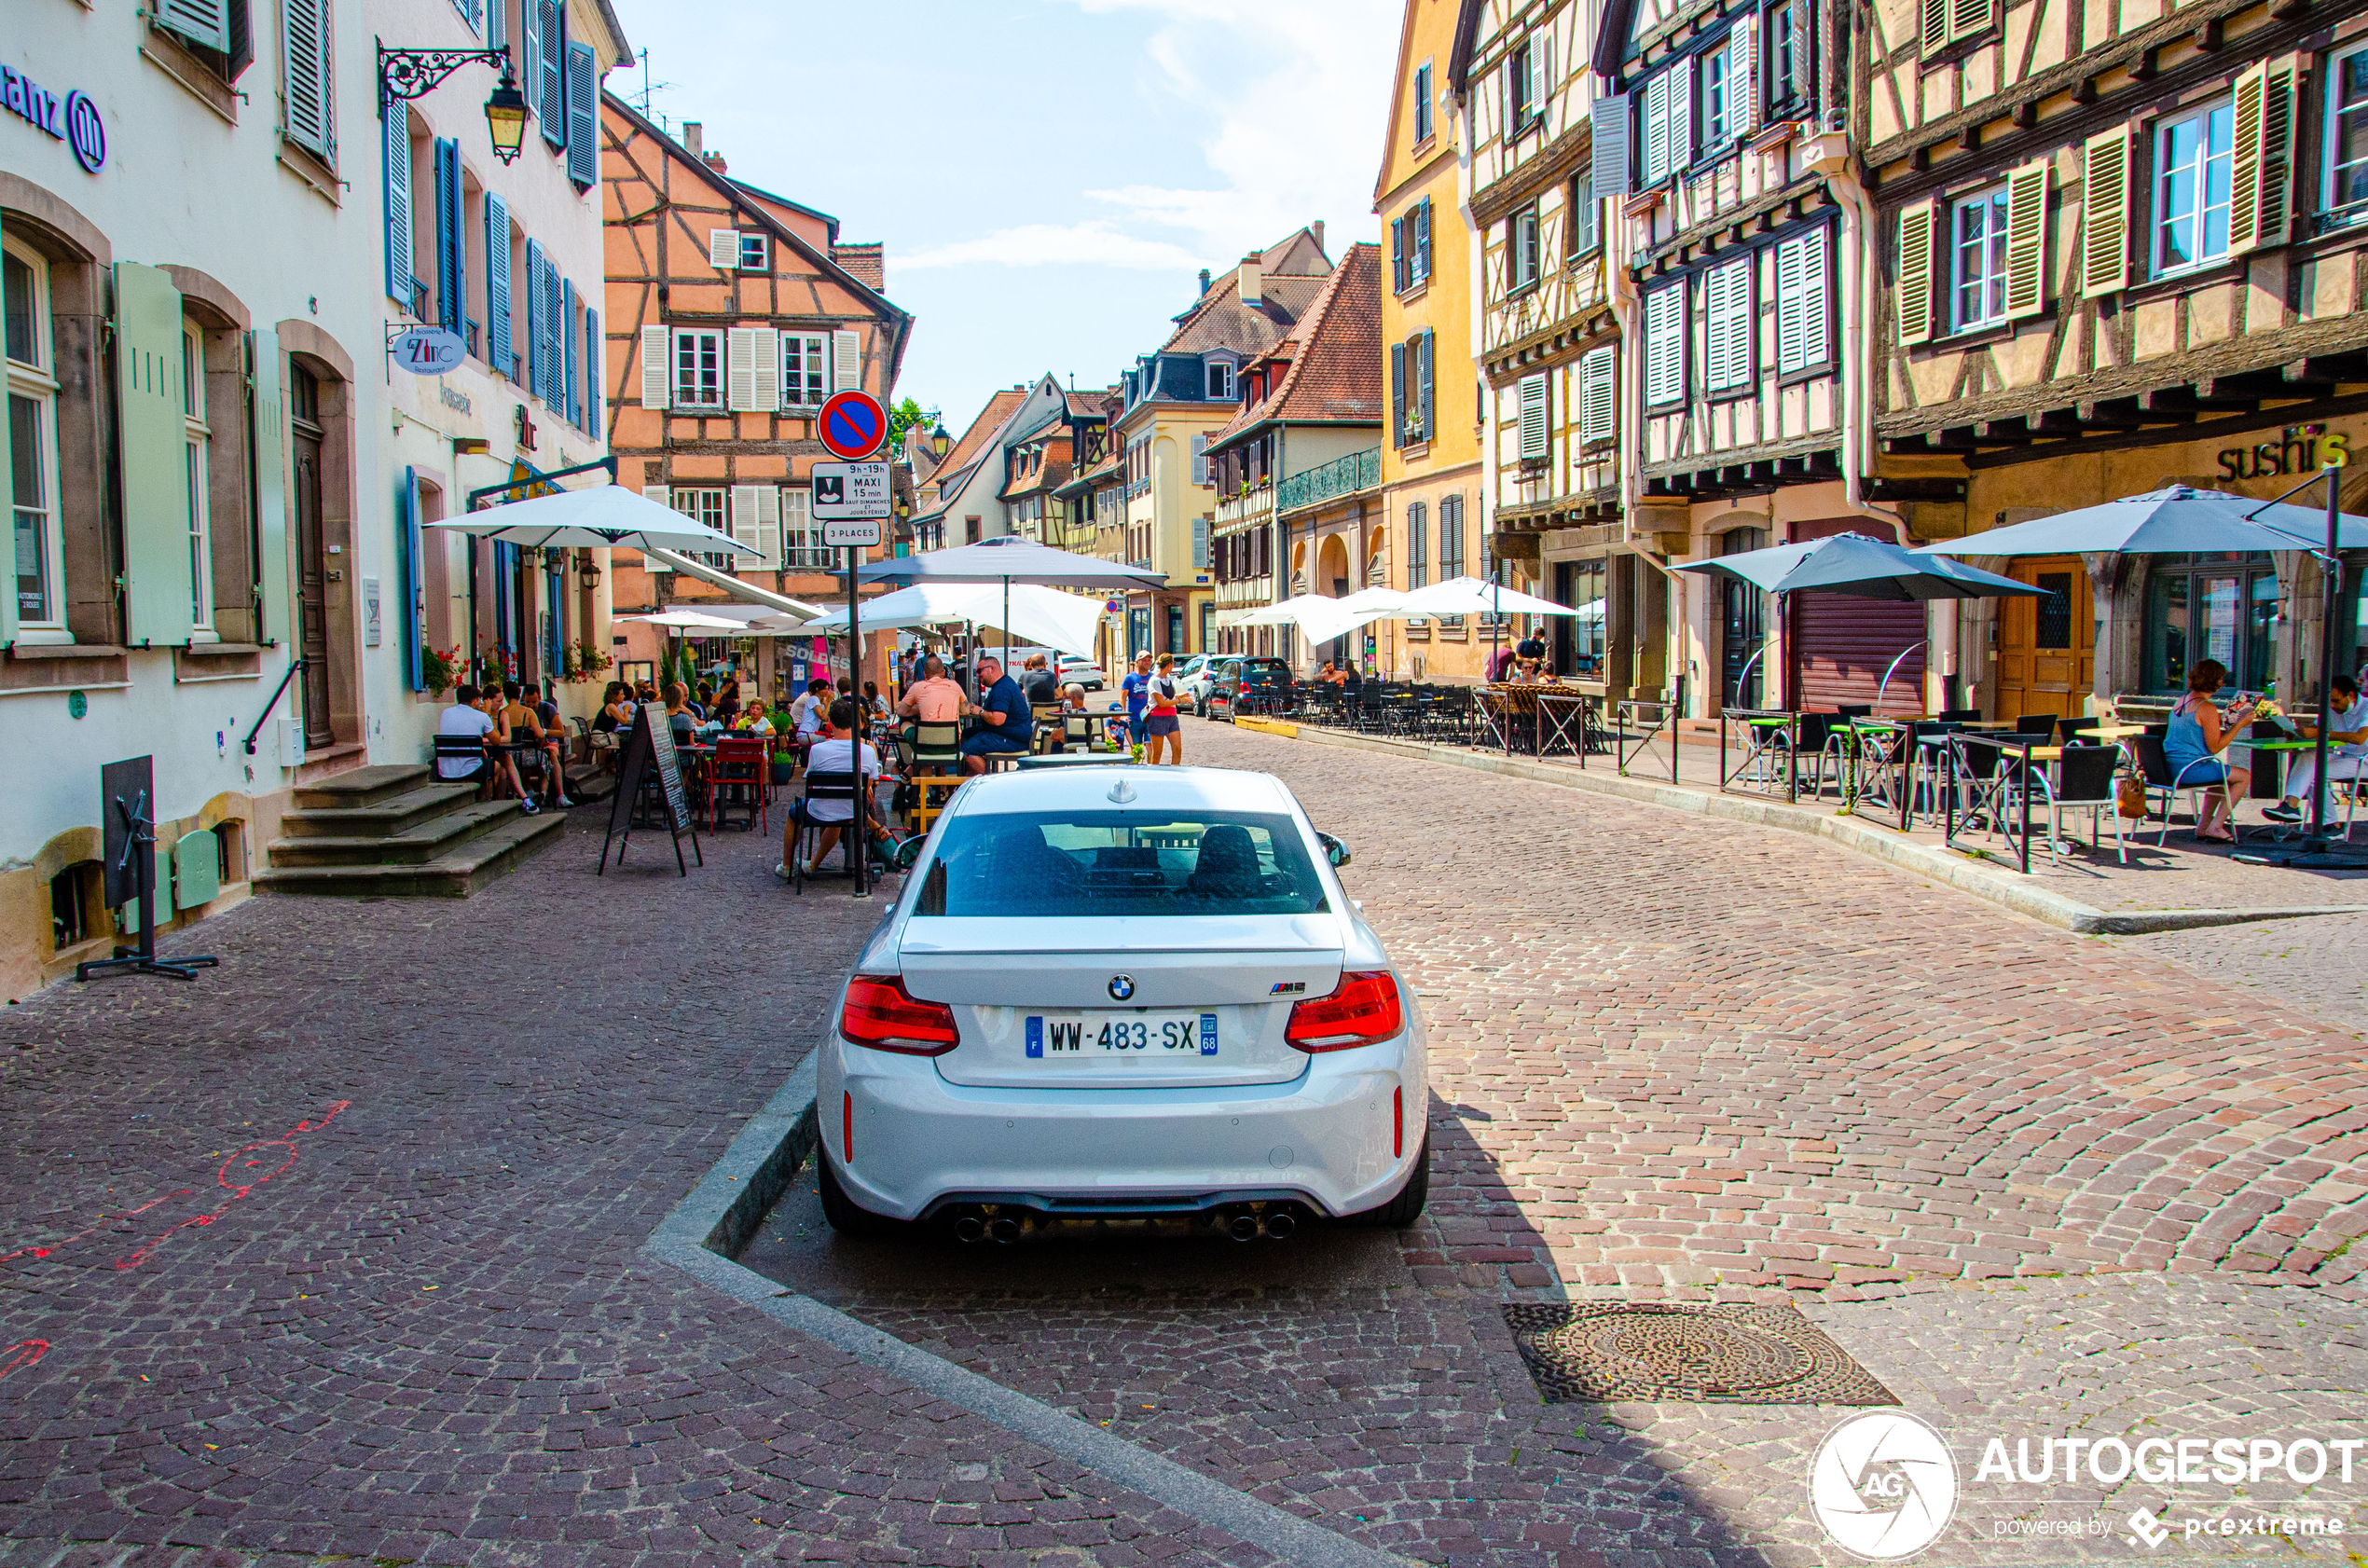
(1220, 381)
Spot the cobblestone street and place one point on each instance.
(2037, 1185)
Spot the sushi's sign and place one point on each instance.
(2299, 449)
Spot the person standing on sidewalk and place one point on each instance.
(1160, 720)
(1138, 687)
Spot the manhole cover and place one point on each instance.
(1602, 1351)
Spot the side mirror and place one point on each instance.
(1334, 850)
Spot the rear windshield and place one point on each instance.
(1121, 862)
(1262, 671)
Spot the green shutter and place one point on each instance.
(407, 545)
(7, 493)
(274, 623)
(197, 869)
(157, 593)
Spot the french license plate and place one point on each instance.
(1097, 1037)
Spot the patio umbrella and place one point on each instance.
(1858, 567)
(1045, 616)
(590, 519)
(1008, 559)
(691, 621)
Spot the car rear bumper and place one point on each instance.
(1327, 1139)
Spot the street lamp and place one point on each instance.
(939, 442)
(407, 74)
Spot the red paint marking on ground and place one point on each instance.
(24, 1352)
(242, 1173)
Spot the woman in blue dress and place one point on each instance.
(2200, 733)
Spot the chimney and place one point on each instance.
(1204, 280)
(713, 161)
(1253, 278)
(1317, 228)
(692, 143)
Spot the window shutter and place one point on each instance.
(2104, 213)
(769, 527)
(1609, 176)
(1657, 127)
(1533, 415)
(414, 610)
(1598, 394)
(537, 373)
(584, 127)
(1540, 61)
(1817, 293)
(571, 368)
(555, 327)
(1915, 285)
(656, 368)
(1426, 342)
(846, 360)
(1743, 55)
(1665, 345)
(304, 36)
(497, 24)
(550, 87)
(2277, 153)
(2258, 172)
(395, 134)
(1967, 17)
(1423, 239)
(595, 415)
(657, 493)
(2027, 239)
(1200, 458)
(1681, 113)
(724, 249)
(1934, 16)
(530, 67)
(498, 352)
(1397, 255)
(765, 369)
(1726, 306)
(451, 246)
(200, 21)
(270, 371)
(1200, 545)
(1397, 394)
(152, 435)
(739, 368)
(1802, 303)
(743, 517)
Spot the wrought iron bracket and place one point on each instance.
(407, 74)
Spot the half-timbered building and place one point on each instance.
(2124, 244)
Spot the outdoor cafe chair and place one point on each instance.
(464, 748)
(1047, 725)
(936, 747)
(737, 777)
(855, 834)
(2042, 726)
(2084, 777)
(2153, 764)
(1839, 740)
(1077, 730)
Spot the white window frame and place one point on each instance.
(1991, 244)
(1722, 92)
(707, 505)
(197, 436)
(802, 548)
(32, 382)
(1220, 385)
(1522, 240)
(807, 385)
(2157, 217)
(2356, 209)
(692, 338)
(755, 251)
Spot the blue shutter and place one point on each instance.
(397, 139)
(570, 394)
(593, 421)
(505, 585)
(554, 332)
(531, 66)
(550, 85)
(555, 634)
(498, 352)
(451, 247)
(407, 522)
(583, 89)
(538, 370)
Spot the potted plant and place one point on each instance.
(440, 668)
(784, 759)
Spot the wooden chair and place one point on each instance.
(738, 776)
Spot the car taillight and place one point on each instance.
(881, 1013)
(1362, 1010)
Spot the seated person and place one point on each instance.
(1072, 701)
(2347, 756)
(755, 719)
(524, 724)
(465, 719)
(1037, 679)
(835, 752)
(933, 699)
(1006, 722)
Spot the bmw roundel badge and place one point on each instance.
(1122, 987)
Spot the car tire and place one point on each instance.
(1407, 1207)
(845, 1215)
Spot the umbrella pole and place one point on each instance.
(2331, 571)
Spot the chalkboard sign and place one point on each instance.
(650, 746)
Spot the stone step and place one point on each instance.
(453, 876)
(362, 786)
(431, 839)
(386, 818)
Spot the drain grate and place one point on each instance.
(1600, 1352)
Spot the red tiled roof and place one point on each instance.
(999, 407)
(1294, 276)
(1331, 366)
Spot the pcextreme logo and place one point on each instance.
(1883, 1485)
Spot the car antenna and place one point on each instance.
(1121, 792)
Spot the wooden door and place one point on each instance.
(312, 589)
(2047, 647)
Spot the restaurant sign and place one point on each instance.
(73, 120)
(2300, 449)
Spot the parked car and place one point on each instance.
(1267, 680)
(1193, 678)
(1155, 975)
(1078, 671)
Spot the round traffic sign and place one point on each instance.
(853, 425)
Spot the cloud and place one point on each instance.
(1047, 244)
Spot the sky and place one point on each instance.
(1048, 176)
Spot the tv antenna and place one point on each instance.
(650, 89)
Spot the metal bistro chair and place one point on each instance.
(465, 749)
(1048, 727)
(1077, 731)
(1841, 740)
(2154, 765)
(854, 833)
(933, 760)
(738, 779)
(2084, 777)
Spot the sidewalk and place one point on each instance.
(2179, 884)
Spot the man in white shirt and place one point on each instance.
(464, 719)
(2346, 754)
(834, 752)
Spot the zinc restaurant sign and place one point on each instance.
(73, 120)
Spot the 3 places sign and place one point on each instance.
(849, 501)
